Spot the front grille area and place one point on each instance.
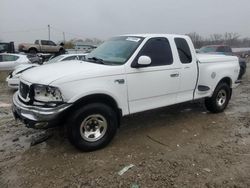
(24, 90)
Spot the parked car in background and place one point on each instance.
(10, 61)
(226, 50)
(35, 59)
(44, 46)
(13, 78)
(7, 47)
(220, 49)
(66, 57)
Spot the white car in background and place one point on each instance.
(13, 78)
(9, 61)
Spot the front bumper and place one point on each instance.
(36, 116)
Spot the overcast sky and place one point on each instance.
(27, 20)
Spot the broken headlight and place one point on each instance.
(47, 94)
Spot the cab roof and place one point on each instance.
(149, 35)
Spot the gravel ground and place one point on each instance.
(178, 146)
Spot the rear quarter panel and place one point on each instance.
(211, 73)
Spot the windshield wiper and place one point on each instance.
(95, 59)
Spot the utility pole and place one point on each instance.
(49, 31)
(64, 37)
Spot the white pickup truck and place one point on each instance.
(125, 75)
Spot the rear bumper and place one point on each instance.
(37, 117)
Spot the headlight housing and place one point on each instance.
(47, 94)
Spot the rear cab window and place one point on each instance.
(183, 49)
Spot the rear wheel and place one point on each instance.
(61, 51)
(92, 127)
(220, 98)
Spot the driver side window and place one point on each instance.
(159, 50)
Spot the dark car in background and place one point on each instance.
(225, 50)
(7, 47)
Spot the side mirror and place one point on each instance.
(144, 60)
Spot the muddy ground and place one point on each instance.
(178, 146)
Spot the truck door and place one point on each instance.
(188, 72)
(52, 47)
(44, 45)
(157, 84)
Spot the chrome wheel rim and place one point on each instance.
(221, 98)
(93, 127)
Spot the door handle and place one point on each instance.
(120, 81)
(174, 75)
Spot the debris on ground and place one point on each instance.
(15, 139)
(40, 138)
(157, 141)
(207, 169)
(125, 169)
(135, 186)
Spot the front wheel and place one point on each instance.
(220, 98)
(92, 127)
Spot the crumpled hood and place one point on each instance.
(68, 71)
(24, 67)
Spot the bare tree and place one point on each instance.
(196, 38)
(231, 38)
(216, 38)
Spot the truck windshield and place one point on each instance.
(115, 51)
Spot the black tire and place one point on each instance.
(32, 51)
(76, 127)
(61, 51)
(220, 98)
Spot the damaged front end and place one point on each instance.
(38, 106)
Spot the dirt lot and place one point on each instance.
(179, 146)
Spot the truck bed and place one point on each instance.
(211, 58)
(214, 58)
(214, 67)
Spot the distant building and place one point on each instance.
(83, 46)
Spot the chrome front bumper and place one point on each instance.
(32, 115)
